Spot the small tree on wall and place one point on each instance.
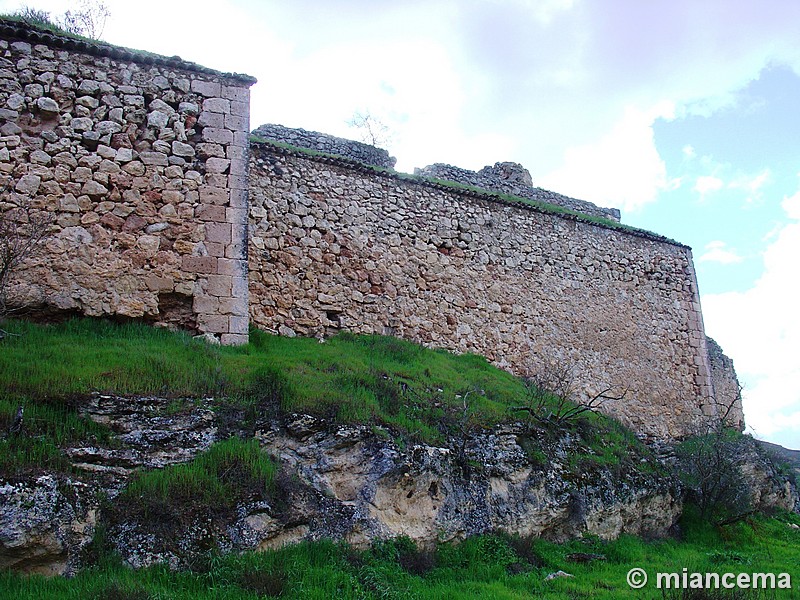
(87, 19)
(371, 129)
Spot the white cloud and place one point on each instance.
(706, 184)
(752, 185)
(718, 252)
(791, 205)
(621, 169)
(760, 330)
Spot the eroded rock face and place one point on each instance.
(44, 523)
(352, 483)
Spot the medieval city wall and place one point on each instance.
(337, 245)
(141, 162)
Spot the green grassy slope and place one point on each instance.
(481, 567)
(412, 392)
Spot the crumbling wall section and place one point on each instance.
(727, 389)
(513, 179)
(141, 160)
(328, 144)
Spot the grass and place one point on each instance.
(418, 394)
(216, 477)
(489, 566)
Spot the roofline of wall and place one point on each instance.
(489, 196)
(26, 32)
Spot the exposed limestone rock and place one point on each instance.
(335, 481)
(44, 523)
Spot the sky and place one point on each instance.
(685, 114)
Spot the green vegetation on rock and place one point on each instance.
(490, 566)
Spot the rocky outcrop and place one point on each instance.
(344, 482)
(347, 482)
(769, 490)
(45, 522)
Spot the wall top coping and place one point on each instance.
(19, 30)
(468, 191)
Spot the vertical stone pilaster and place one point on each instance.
(697, 341)
(223, 302)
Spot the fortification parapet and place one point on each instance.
(329, 144)
(514, 179)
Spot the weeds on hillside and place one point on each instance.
(492, 566)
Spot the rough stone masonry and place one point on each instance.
(143, 162)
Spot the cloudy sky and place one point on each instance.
(685, 114)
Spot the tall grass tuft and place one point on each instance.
(216, 477)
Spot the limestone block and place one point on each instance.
(218, 232)
(28, 185)
(213, 323)
(210, 212)
(93, 188)
(237, 122)
(238, 324)
(47, 105)
(154, 158)
(231, 266)
(183, 149)
(209, 89)
(233, 307)
(232, 339)
(217, 135)
(206, 304)
(214, 195)
(199, 264)
(219, 285)
(236, 93)
(217, 165)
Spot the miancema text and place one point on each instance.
(686, 580)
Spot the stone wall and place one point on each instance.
(514, 179)
(141, 161)
(322, 142)
(727, 389)
(337, 245)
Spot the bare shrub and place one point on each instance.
(552, 396)
(371, 129)
(88, 20)
(710, 466)
(22, 230)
